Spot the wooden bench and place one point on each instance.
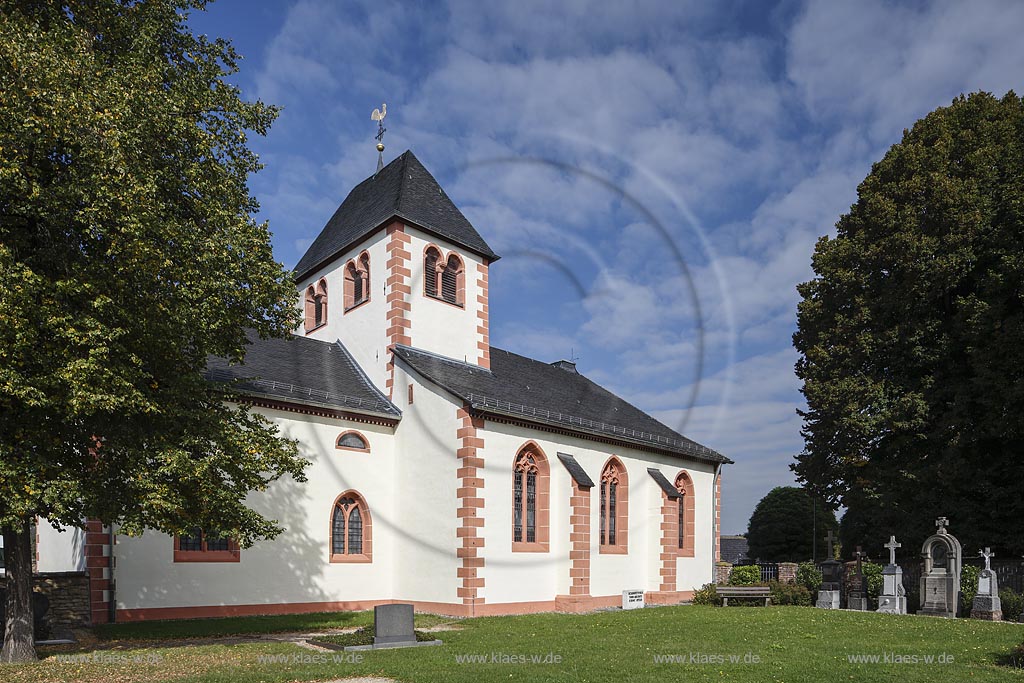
(726, 592)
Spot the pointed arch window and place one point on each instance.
(351, 539)
(530, 500)
(685, 514)
(614, 525)
(316, 305)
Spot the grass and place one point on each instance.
(363, 636)
(791, 644)
(240, 626)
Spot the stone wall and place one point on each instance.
(68, 593)
(722, 572)
(787, 572)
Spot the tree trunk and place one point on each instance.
(19, 638)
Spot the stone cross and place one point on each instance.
(988, 555)
(859, 555)
(892, 545)
(830, 540)
(941, 522)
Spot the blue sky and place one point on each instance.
(654, 174)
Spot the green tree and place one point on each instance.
(910, 335)
(782, 526)
(128, 255)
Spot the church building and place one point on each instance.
(445, 472)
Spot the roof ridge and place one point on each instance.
(449, 359)
(403, 178)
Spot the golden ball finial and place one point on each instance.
(380, 146)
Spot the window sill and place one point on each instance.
(207, 556)
(527, 547)
(350, 559)
(444, 301)
(357, 305)
(350, 448)
(613, 550)
(310, 330)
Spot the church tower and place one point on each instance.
(398, 263)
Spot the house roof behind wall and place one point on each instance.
(305, 371)
(552, 395)
(403, 189)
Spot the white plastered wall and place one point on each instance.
(294, 567)
(60, 551)
(363, 329)
(437, 326)
(427, 521)
(518, 577)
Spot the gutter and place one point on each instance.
(715, 537)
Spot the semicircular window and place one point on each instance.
(353, 440)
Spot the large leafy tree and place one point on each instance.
(128, 255)
(911, 335)
(788, 525)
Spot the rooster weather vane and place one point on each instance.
(378, 116)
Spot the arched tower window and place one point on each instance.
(685, 513)
(316, 305)
(614, 507)
(530, 500)
(351, 539)
(357, 281)
(431, 259)
(453, 281)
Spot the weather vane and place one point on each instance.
(378, 116)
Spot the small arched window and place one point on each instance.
(357, 282)
(530, 504)
(614, 507)
(350, 529)
(452, 281)
(430, 266)
(685, 514)
(316, 305)
(353, 441)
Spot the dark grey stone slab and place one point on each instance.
(393, 624)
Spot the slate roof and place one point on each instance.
(576, 471)
(733, 549)
(403, 189)
(664, 483)
(305, 371)
(545, 394)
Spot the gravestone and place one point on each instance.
(393, 625)
(940, 576)
(986, 601)
(831, 579)
(893, 598)
(858, 596)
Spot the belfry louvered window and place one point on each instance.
(450, 281)
(430, 271)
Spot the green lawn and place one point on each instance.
(790, 644)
